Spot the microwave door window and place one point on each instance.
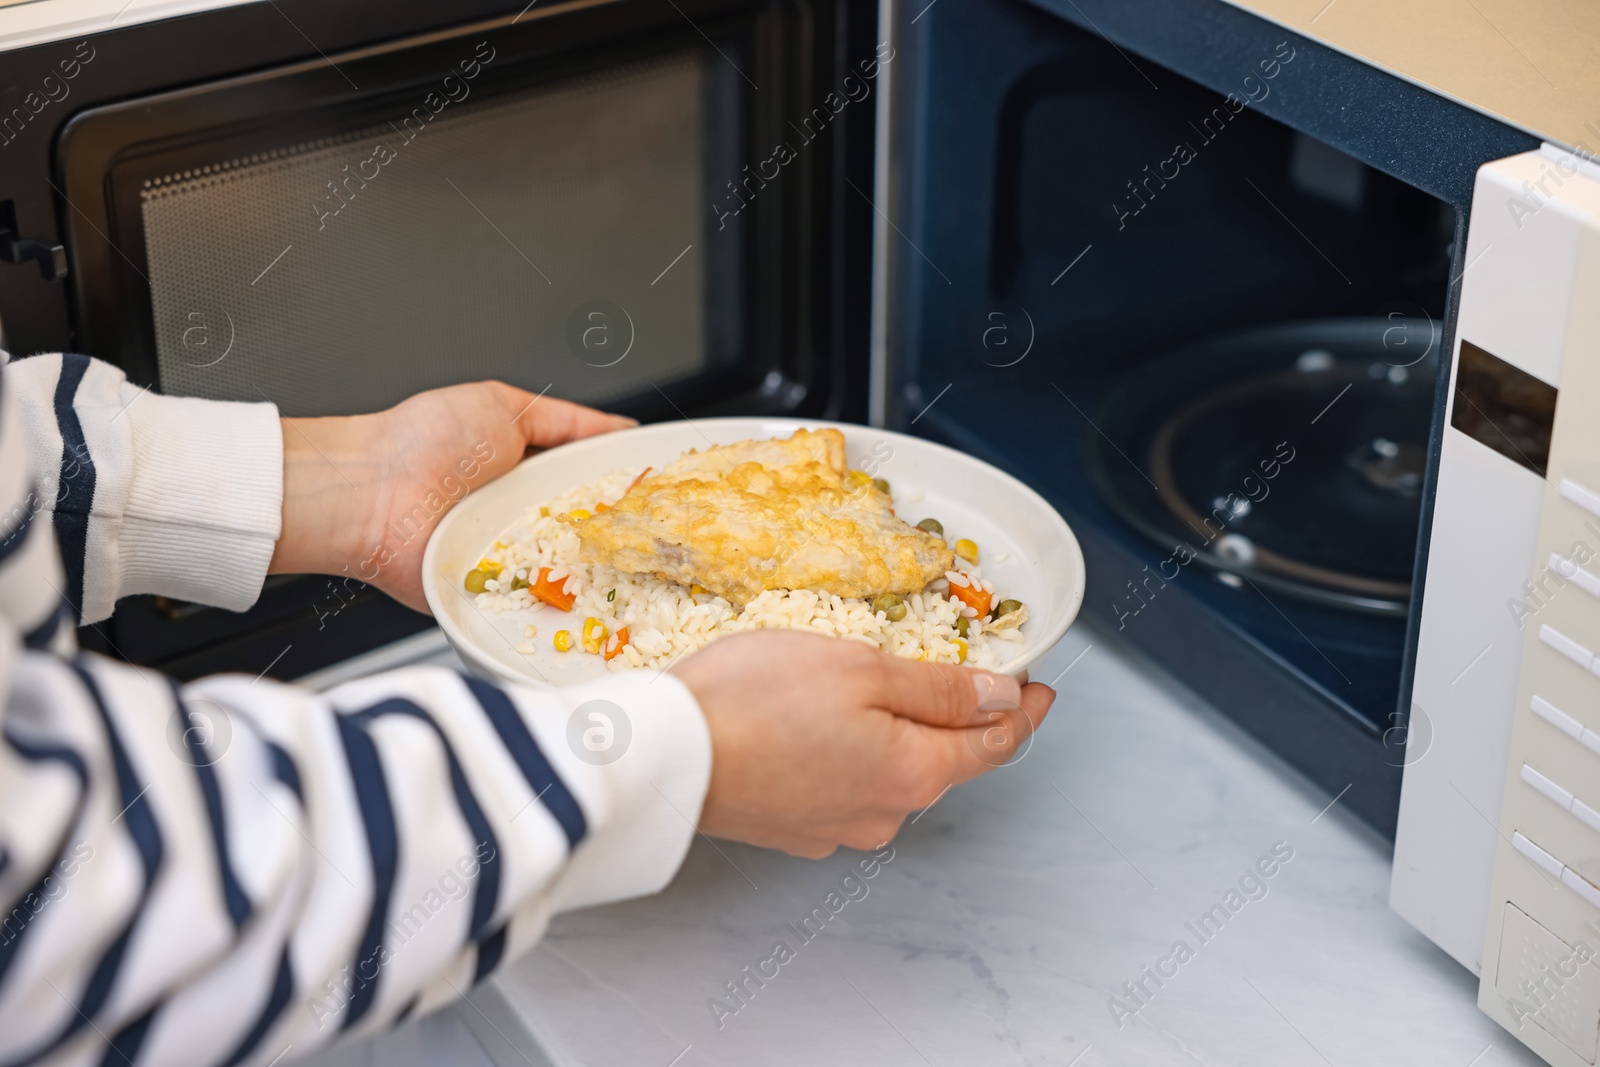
(552, 238)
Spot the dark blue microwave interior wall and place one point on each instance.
(1039, 149)
(1025, 141)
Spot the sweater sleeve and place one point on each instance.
(236, 871)
(148, 493)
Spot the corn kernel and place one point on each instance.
(579, 513)
(563, 641)
(594, 635)
(544, 512)
(967, 550)
(961, 650)
(860, 478)
(489, 567)
(698, 590)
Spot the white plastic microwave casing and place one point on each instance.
(1497, 851)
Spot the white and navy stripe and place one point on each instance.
(75, 483)
(172, 892)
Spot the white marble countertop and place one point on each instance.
(1012, 911)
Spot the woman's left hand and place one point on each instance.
(362, 493)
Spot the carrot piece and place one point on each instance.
(973, 596)
(601, 508)
(616, 643)
(639, 479)
(552, 593)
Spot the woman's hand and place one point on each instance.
(818, 742)
(361, 494)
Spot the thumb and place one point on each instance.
(545, 421)
(941, 694)
(979, 749)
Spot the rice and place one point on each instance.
(666, 621)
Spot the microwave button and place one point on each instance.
(1586, 815)
(1559, 719)
(1547, 787)
(1566, 646)
(1570, 571)
(1581, 886)
(1587, 499)
(1540, 858)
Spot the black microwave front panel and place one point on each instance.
(584, 198)
(1192, 281)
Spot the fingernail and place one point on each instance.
(627, 420)
(995, 691)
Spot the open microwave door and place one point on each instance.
(647, 207)
(606, 199)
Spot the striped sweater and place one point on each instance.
(237, 871)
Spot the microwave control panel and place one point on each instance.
(1540, 977)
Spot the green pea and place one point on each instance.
(881, 485)
(933, 526)
(519, 583)
(475, 580)
(611, 596)
(963, 624)
(892, 605)
(1006, 607)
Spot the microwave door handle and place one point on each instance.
(15, 248)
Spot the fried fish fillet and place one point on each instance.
(775, 514)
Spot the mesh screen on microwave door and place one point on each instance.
(517, 238)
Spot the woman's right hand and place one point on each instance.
(819, 742)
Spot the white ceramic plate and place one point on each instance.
(1042, 566)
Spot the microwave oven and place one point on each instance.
(1282, 310)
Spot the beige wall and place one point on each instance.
(1533, 63)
